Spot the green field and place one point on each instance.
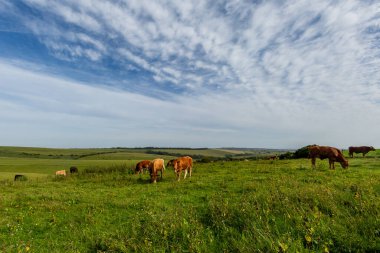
(227, 206)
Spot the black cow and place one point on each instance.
(19, 177)
(73, 169)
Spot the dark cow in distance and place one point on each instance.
(331, 153)
(141, 166)
(363, 149)
(183, 163)
(154, 167)
(73, 170)
(170, 163)
(19, 177)
(274, 157)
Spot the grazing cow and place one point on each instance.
(323, 152)
(274, 157)
(73, 169)
(154, 167)
(60, 173)
(141, 166)
(170, 163)
(363, 149)
(19, 177)
(183, 163)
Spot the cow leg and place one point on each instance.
(313, 163)
(190, 169)
(332, 166)
(179, 175)
(185, 174)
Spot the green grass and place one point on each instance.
(238, 206)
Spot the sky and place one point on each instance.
(205, 73)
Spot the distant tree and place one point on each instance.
(287, 155)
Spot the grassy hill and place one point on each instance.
(227, 206)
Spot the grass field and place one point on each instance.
(227, 206)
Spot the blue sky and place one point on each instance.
(275, 74)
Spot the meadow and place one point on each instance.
(226, 206)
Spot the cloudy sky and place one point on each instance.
(133, 73)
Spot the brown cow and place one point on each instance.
(183, 163)
(323, 152)
(274, 157)
(154, 167)
(141, 166)
(363, 149)
(60, 173)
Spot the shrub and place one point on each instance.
(301, 153)
(287, 155)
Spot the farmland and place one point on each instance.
(242, 205)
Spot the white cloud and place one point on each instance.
(304, 69)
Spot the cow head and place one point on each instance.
(153, 177)
(153, 173)
(170, 163)
(372, 148)
(344, 164)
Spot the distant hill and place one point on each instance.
(122, 153)
(258, 149)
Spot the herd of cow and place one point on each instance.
(334, 154)
(155, 166)
(185, 163)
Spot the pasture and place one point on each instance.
(226, 206)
